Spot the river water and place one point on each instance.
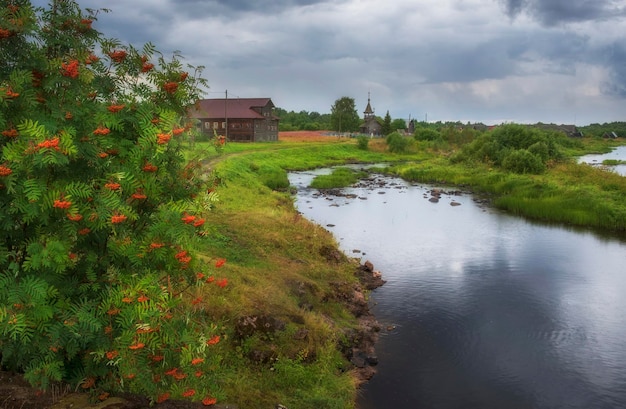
(481, 309)
(618, 153)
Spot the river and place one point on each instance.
(481, 309)
(618, 153)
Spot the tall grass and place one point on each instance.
(340, 177)
(568, 193)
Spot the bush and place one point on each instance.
(541, 150)
(426, 134)
(457, 136)
(498, 148)
(397, 143)
(522, 161)
(97, 220)
(362, 142)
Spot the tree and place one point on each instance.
(97, 222)
(343, 115)
(386, 127)
(398, 124)
(303, 120)
(426, 134)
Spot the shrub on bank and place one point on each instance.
(523, 161)
(427, 134)
(362, 142)
(397, 143)
(516, 148)
(98, 226)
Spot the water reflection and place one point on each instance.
(490, 311)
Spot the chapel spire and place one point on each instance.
(369, 112)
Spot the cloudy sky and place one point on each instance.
(491, 61)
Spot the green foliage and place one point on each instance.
(96, 213)
(569, 193)
(523, 161)
(517, 148)
(613, 162)
(386, 127)
(362, 142)
(343, 116)
(599, 130)
(459, 135)
(274, 177)
(307, 388)
(340, 177)
(426, 134)
(302, 121)
(398, 124)
(397, 143)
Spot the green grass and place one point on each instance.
(584, 146)
(613, 162)
(568, 193)
(275, 266)
(340, 177)
(275, 263)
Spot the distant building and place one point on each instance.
(370, 125)
(238, 119)
(411, 129)
(569, 130)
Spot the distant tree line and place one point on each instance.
(599, 130)
(344, 117)
(302, 121)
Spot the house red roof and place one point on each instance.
(241, 108)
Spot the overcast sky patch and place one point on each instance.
(561, 61)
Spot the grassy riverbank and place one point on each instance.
(284, 270)
(279, 264)
(566, 193)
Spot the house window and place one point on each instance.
(207, 125)
(215, 125)
(223, 125)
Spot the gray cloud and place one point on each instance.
(552, 61)
(513, 7)
(260, 5)
(555, 12)
(615, 57)
(198, 8)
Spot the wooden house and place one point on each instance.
(238, 119)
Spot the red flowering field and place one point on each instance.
(307, 136)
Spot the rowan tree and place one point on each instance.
(99, 211)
